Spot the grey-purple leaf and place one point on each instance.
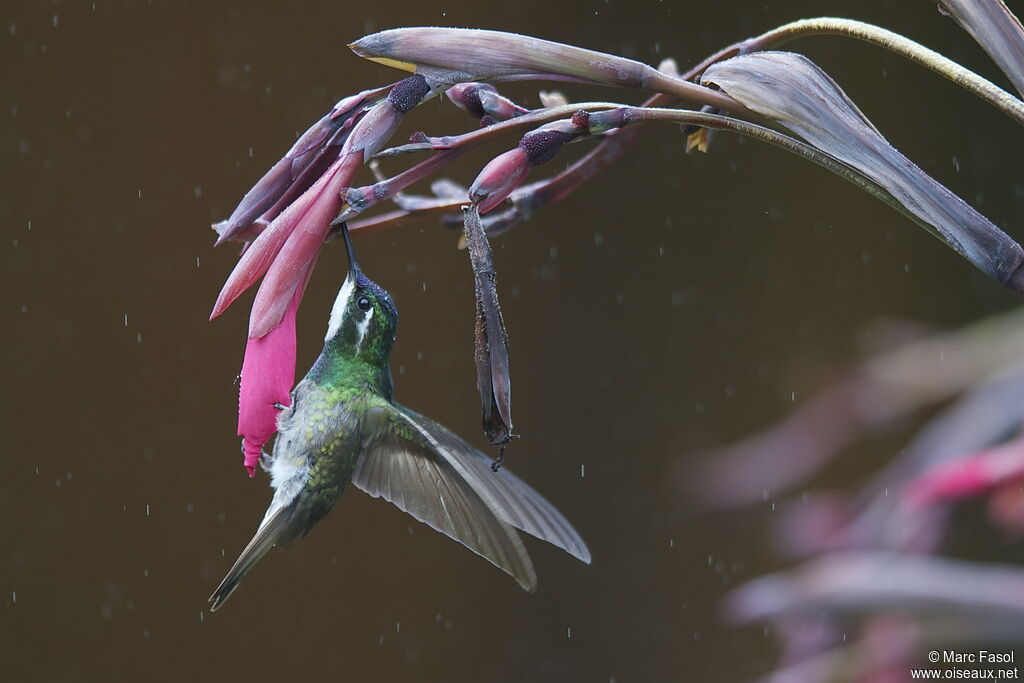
(996, 29)
(866, 582)
(475, 54)
(457, 55)
(491, 354)
(791, 90)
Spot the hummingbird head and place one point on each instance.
(363, 319)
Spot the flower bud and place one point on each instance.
(498, 178)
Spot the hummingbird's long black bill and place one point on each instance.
(353, 265)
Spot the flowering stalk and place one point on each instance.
(287, 215)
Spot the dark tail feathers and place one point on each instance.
(274, 532)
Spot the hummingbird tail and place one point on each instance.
(273, 531)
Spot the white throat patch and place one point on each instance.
(362, 327)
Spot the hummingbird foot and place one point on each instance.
(496, 465)
(265, 461)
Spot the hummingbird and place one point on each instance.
(343, 425)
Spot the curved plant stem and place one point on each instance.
(625, 115)
(893, 42)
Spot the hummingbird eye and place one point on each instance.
(363, 304)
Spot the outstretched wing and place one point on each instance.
(402, 471)
(413, 460)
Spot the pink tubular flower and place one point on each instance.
(971, 475)
(319, 203)
(284, 252)
(268, 373)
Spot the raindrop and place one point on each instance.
(398, 627)
(138, 338)
(147, 509)
(55, 21)
(598, 239)
(14, 597)
(583, 470)
(126, 320)
(200, 615)
(198, 191)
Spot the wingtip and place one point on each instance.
(528, 583)
(220, 596)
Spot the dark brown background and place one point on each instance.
(673, 304)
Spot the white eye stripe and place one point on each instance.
(340, 306)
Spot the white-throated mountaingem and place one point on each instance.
(342, 425)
